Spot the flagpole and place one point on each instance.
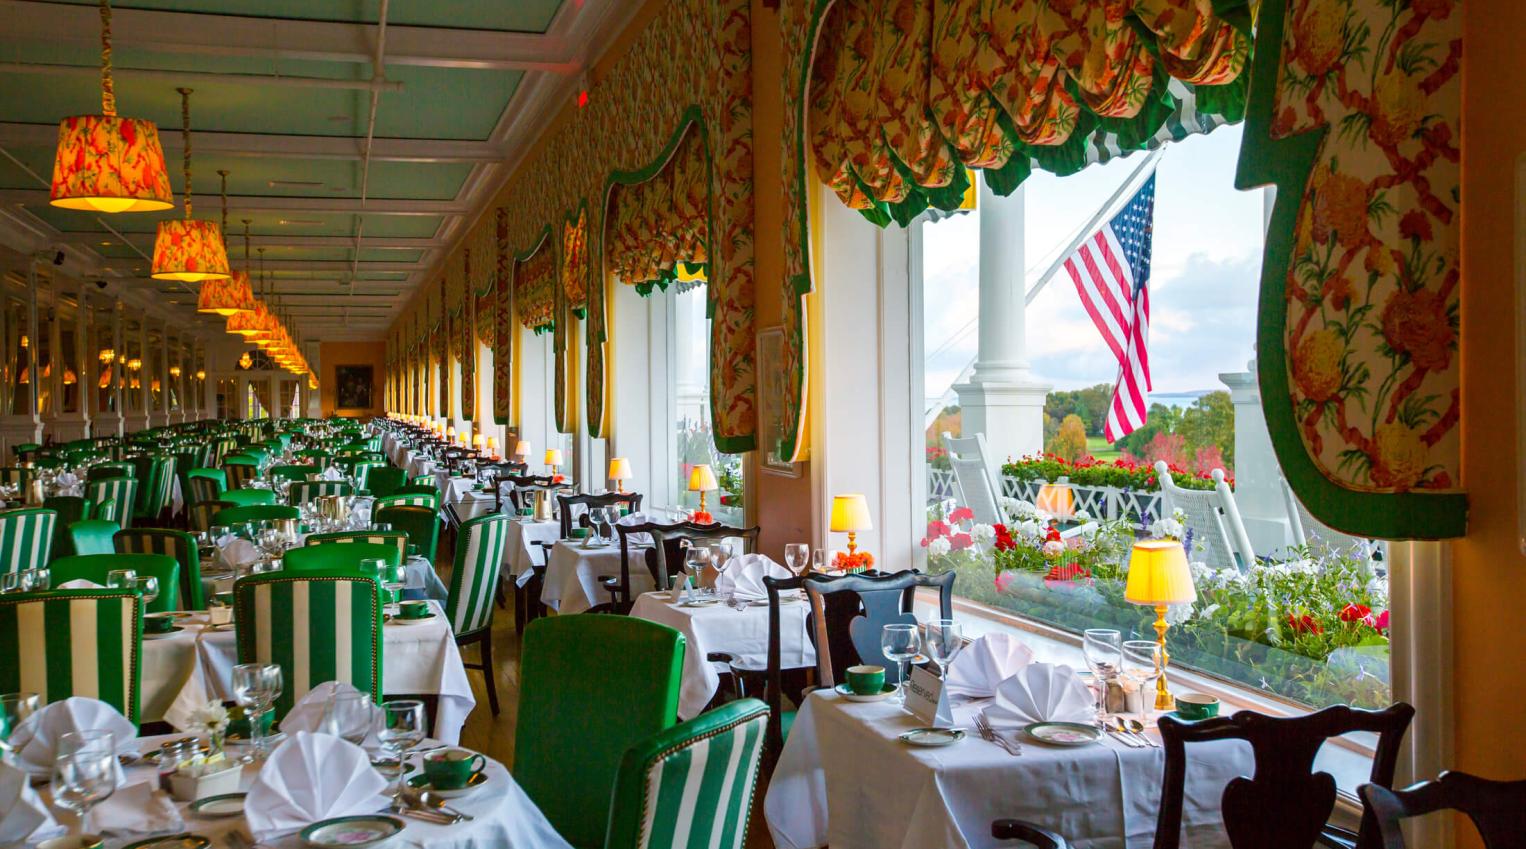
(1091, 226)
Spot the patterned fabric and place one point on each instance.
(177, 544)
(190, 246)
(305, 491)
(466, 336)
(119, 493)
(575, 262)
(206, 484)
(26, 538)
(73, 643)
(393, 538)
(240, 474)
(415, 499)
(108, 156)
(535, 287)
(317, 627)
(474, 578)
(503, 320)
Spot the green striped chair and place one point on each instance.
(473, 586)
(25, 450)
(384, 480)
(301, 493)
(691, 786)
(336, 555)
(70, 509)
(90, 536)
(171, 543)
(156, 480)
(221, 450)
(120, 493)
(254, 513)
(73, 643)
(571, 669)
(199, 515)
(339, 639)
(361, 472)
(14, 475)
(422, 524)
(316, 456)
(408, 499)
(248, 497)
(26, 538)
(96, 567)
(240, 469)
(423, 480)
(116, 469)
(398, 539)
(292, 473)
(205, 484)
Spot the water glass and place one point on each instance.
(402, 728)
(148, 585)
(14, 709)
(1103, 649)
(256, 686)
(84, 772)
(349, 715)
(121, 579)
(10, 582)
(36, 580)
(945, 639)
(1141, 666)
(797, 555)
(901, 642)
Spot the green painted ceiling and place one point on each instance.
(507, 15)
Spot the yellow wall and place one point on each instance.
(332, 354)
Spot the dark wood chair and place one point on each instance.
(1041, 838)
(849, 611)
(665, 558)
(1285, 803)
(632, 500)
(1497, 808)
(523, 484)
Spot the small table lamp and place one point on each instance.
(702, 480)
(553, 459)
(620, 472)
(850, 513)
(492, 447)
(1159, 576)
(522, 450)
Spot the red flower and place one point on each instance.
(1052, 534)
(936, 529)
(1378, 623)
(960, 542)
(1355, 612)
(1415, 225)
(1067, 572)
(1004, 541)
(962, 514)
(1304, 624)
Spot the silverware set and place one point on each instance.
(990, 735)
(1131, 734)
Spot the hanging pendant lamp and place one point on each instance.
(191, 249)
(251, 325)
(232, 296)
(107, 163)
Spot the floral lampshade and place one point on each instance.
(226, 297)
(250, 325)
(106, 163)
(190, 249)
(312, 381)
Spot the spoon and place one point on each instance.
(1138, 728)
(434, 800)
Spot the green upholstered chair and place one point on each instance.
(254, 513)
(361, 472)
(177, 544)
(221, 450)
(199, 515)
(156, 480)
(341, 635)
(205, 484)
(396, 539)
(423, 480)
(384, 480)
(95, 567)
(23, 450)
(117, 469)
(90, 536)
(14, 475)
(420, 489)
(408, 499)
(26, 538)
(248, 497)
(240, 469)
(121, 493)
(292, 473)
(422, 524)
(301, 493)
(70, 509)
(568, 744)
(335, 555)
(473, 588)
(44, 623)
(691, 786)
(318, 456)
(186, 459)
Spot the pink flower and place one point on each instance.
(961, 541)
(1004, 581)
(962, 514)
(937, 528)
(1355, 613)
(1379, 622)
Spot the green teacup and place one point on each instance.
(413, 609)
(580, 533)
(1195, 706)
(153, 624)
(866, 680)
(225, 599)
(451, 769)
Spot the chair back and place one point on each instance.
(240, 470)
(46, 625)
(384, 480)
(121, 493)
(91, 536)
(572, 669)
(586, 502)
(26, 538)
(396, 539)
(430, 499)
(976, 475)
(156, 481)
(70, 509)
(96, 567)
(1497, 808)
(302, 492)
(248, 497)
(200, 514)
(848, 612)
(254, 513)
(691, 786)
(340, 639)
(117, 469)
(522, 494)
(474, 580)
(293, 473)
(421, 524)
(1219, 537)
(337, 555)
(205, 484)
(318, 456)
(1285, 803)
(171, 543)
(361, 472)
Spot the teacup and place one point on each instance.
(414, 609)
(1196, 706)
(158, 623)
(866, 680)
(452, 769)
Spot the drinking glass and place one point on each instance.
(402, 728)
(724, 553)
(1141, 666)
(392, 577)
(14, 709)
(148, 585)
(349, 715)
(900, 642)
(256, 686)
(819, 560)
(121, 579)
(798, 556)
(10, 582)
(84, 772)
(945, 639)
(1102, 648)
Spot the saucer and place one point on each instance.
(419, 620)
(932, 737)
(421, 782)
(842, 690)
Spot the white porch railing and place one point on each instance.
(1103, 502)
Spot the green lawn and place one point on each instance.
(1099, 448)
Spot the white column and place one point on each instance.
(1002, 399)
(1258, 478)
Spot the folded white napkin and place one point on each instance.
(332, 474)
(23, 814)
(67, 479)
(636, 518)
(744, 577)
(1041, 692)
(36, 738)
(307, 714)
(312, 777)
(985, 663)
(238, 552)
(79, 584)
(138, 808)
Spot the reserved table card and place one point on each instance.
(926, 699)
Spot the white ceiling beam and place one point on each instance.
(264, 203)
(269, 146)
(292, 265)
(94, 238)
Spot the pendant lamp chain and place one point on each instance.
(246, 245)
(108, 90)
(185, 123)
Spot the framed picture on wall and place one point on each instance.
(352, 387)
(770, 371)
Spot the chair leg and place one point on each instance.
(488, 670)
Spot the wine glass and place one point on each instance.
(945, 639)
(14, 709)
(392, 577)
(349, 715)
(121, 579)
(148, 585)
(256, 686)
(819, 561)
(1141, 666)
(1102, 648)
(402, 728)
(10, 582)
(84, 772)
(900, 642)
(798, 556)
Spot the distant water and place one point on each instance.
(1177, 399)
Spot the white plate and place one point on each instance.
(932, 737)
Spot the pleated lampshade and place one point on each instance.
(250, 325)
(191, 250)
(106, 163)
(226, 297)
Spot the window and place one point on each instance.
(1284, 605)
(689, 394)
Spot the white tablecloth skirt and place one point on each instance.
(522, 552)
(573, 572)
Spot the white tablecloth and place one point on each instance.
(452, 488)
(522, 551)
(573, 572)
(844, 779)
(416, 463)
(474, 504)
(186, 670)
(420, 581)
(717, 627)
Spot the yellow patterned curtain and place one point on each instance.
(535, 289)
(905, 92)
(503, 319)
(664, 221)
(575, 263)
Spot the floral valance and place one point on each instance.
(662, 222)
(503, 318)
(486, 310)
(575, 263)
(535, 289)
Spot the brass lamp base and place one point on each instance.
(1164, 701)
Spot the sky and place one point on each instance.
(1207, 261)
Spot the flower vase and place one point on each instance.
(215, 745)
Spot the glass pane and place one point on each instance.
(43, 356)
(696, 437)
(132, 375)
(290, 399)
(68, 357)
(16, 355)
(227, 398)
(154, 367)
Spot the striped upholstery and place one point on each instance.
(26, 538)
(317, 626)
(221, 449)
(301, 493)
(248, 497)
(292, 473)
(205, 484)
(177, 544)
(421, 480)
(421, 524)
(397, 538)
(98, 567)
(121, 493)
(73, 643)
(116, 469)
(691, 786)
(254, 513)
(200, 514)
(14, 475)
(362, 471)
(156, 480)
(411, 499)
(336, 555)
(474, 580)
(240, 472)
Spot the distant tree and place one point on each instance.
(1169, 447)
(1207, 458)
(1070, 442)
(1090, 404)
(1210, 423)
(1051, 427)
(1161, 419)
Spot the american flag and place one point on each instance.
(1111, 270)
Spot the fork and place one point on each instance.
(983, 726)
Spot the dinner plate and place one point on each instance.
(699, 602)
(172, 841)
(225, 626)
(932, 737)
(349, 832)
(1063, 733)
(421, 782)
(842, 690)
(217, 807)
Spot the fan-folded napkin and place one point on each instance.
(137, 809)
(636, 518)
(23, 814)
(309, 711)
(79, 584)
(312, 777)
(238, 552)
(36, 738)
(985, 663)
(1041, 692)
(744, 577)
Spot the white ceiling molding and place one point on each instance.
(346, 148)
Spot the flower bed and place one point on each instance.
(1089, 471)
